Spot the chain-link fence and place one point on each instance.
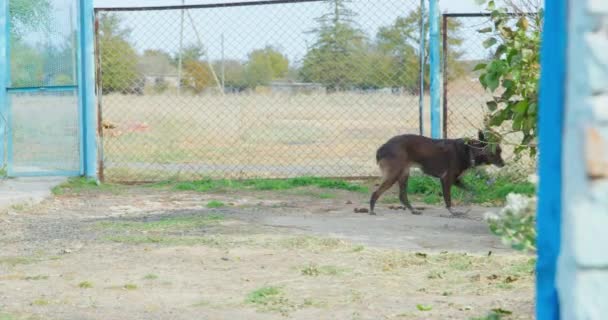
(257, 89)
(464, 98)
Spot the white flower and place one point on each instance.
(533, 179)
(490, 216)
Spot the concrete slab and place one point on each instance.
(26, 191)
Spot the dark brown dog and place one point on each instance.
(446, 159)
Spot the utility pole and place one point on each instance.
(180, 53)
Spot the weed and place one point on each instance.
(163, 224)
(168, 240)
(270, 299)
(435, 274)
(423, 307)
(151, 277)
(81, 185)
(312, 243)
(358, 248)
(215, 204)
(130, 286)
(85, 285)
(40, 302)
(13, 261)
(38, 277)
(315, 270)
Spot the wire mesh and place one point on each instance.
(276, 90)
(43, 118)
(464, 96)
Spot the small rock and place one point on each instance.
(349, 202)
(225, 259)
(361, 210)
(66, 251)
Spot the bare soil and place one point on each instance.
(145, 253)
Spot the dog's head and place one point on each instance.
(485, 153)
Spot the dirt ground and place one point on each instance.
(153, 253)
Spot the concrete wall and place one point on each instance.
(583, 263)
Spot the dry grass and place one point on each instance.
(163, 136)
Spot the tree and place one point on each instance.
(515, 69)
(401, 41)
(331, 60)
(28, 15)
(118, 57)
(197, 73)
(265, 65)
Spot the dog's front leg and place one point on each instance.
(446, 185)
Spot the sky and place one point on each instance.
(233, 33)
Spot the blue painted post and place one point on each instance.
(435, 70)
(89, 134)
(4, 65)
(422, 51)
(551, 112)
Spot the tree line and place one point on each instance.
(342, 57)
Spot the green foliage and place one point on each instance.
(513, 75)
(485, 188)
(515, 224)
(265, 65)
(266, 184)
(343, 58)
(118, 57)
(29, 15)
(215, 204)
(400, 41)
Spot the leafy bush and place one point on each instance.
(515, 223)
(513, 75)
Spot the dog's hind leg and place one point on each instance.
(403, 191)
(389, 178)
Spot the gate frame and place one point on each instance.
(84, 88)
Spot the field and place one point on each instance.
(252, 250)
(255, 135)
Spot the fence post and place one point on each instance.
(422, 51)
(87, 92)
(444, 72)
(4, 65)
(550, 125)
(435, 70)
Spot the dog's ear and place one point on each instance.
(481, 136)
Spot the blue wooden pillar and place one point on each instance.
(3, 79)
(551, 112)
(87, 89)
(435, 72)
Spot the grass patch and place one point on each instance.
(150, 277)
(164, 223)
(13, 261)
(313, 243)
(40, 302)
(270, 299)
(485, 188)
(36, 278)
(6, 316)
(168, 240)
(82, 185)
(130, 286)
(314, 270)
(215, 204)
(207, 185)
(85, 285)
